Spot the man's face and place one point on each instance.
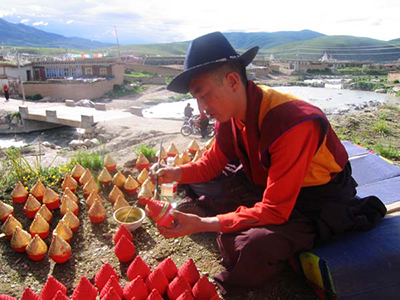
(212, 97)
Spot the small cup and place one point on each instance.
(132, 221)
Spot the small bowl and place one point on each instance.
(132, 221)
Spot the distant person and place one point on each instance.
(203, 124)
(6, 92)
(188, 111)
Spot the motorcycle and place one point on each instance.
(192, 126)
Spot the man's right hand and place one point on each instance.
(165, 174)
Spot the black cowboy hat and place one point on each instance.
(205, 53)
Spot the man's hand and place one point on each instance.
(186, 224)
(165, 174)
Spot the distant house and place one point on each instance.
(392, 76)
(11, 74)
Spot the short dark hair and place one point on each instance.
(233, 66)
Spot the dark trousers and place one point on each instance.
(255, 255)
(6, 95)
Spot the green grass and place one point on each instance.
(381, 127)
(148, 151)
(91, 160)
(388, 152)
(138, 74)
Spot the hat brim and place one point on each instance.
(180, 83)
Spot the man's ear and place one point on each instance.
(233, 80)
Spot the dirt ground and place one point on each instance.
(92, 244)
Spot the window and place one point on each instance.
(103, 71)
(88, 71)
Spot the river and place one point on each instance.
(331, 100)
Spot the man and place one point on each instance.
(276, 180)
(188, 111)
(204, 121)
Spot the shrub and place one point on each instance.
(147, 151)
(35, 97)
(396, 81)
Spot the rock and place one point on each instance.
(87, 142)
(75, 144)
(381, 91)
(85, 103)
(46, 144)
(95, 141)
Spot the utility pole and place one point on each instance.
(116, 36)
(20, 79)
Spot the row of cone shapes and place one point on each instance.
(166, 280)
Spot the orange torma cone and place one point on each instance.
(5, 211)
(89, 187)
(112, 283)
(77, 172)
(51, 199)
(131, 185)
(105, 272)
(71, 220)
(40, 227)
(19, 193)
(157, 280)
(60, 250)
(119, 179)
(136, 289)
(177, 287)
(187, 295)
(110, 163)
(92, 197)
(204, 289)
(36, 249)
(185, 158)
(84, 290)
(97, 213)
(86, 176)
(51, 287)
(63, 231)
(138, 268)
(169, 268)
(31, 207)
(143, 175)
(69, 182)
(154, 295)
(104, 177)
(159, 211)
(20, 239)
(121, 202)
(70, 194)
(177, 161)
(45, 213)
(189, 271)
(115, 192)
(142, 162)
(122, 230)
(124, 249)
(193, 147)
(38, 190)
(29, 295)
(9, 226)
(68, 205)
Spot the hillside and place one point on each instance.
(340, 48)
(28, 36)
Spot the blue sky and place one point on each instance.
(156, 21)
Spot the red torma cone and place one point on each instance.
(20, 239)
(38, 190)
(159, 211)
(77, 172)
(144, 174)
(187, 295)
(144, 195)
(71, 221)
(136, 289)
(169, 268)
(215, 297)
(29, 295)
(131, 185)
(203, 289)
(138, 268)
(51, 287)
(189, 271)
(124, 249)
(69, 182)
(110, 163)
(60, 296)
(71, 195)
(63, 231)
(154, 295)
(119, 179)
(36, 249)
(9, 226)
(122, 230)
(68, 205)
(157, 280)
(111, 295)
(105, 272)
(40, 227)
(177, 287)
(97, 213)
(5, 211)
(84, 290)
(104, 177)
(6, 297)
(142, 162)
(51, 199)
(112, 282)
(31, 207)
(19, 193)
(45, 213)
(60, 250)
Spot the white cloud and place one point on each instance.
(40, 23)
(24, 21)
(69, 22)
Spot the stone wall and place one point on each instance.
(146, 80)
(157, 70)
